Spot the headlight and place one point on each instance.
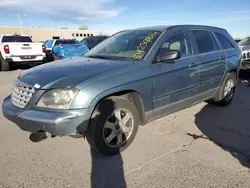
(58, 98)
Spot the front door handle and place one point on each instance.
(193, 64)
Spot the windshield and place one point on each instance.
(245, 42)
(48, 44)
(132, 45)
(92, 41)
(65, 42)
(86, 41)
(16, 39)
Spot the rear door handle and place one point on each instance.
(222, 57)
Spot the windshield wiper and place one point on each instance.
(109, 57)
(99, 56)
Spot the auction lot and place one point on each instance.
(202, 146)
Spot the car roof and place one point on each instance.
(166, 27)
(65, 39)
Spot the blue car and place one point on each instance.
(129, 79)
(50, 44)
(63, 51)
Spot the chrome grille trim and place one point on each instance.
(246, 55)
(21, 94)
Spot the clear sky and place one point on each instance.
(114, 15)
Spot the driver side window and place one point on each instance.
(178, 41)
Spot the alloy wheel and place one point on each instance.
(118, 128)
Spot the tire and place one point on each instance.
(226, 99)
(97, 133)
(55, 57)
(4, 65)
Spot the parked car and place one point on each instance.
(50, 44)
(245, 48)
(65, 51)
(92, 41)
(19, 49)
(130, 79)
(237, 40)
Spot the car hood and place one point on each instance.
(69, 72)
(243, 48)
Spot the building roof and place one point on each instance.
(50, 29)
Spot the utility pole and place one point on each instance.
(20, 19)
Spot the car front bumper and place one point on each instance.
(18, 60)
(70, 122)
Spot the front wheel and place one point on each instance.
(113, 126)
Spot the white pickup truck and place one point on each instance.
(17, 49)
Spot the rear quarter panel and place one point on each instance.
(233, 55)
(233, 61)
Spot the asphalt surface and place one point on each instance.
(202, 146)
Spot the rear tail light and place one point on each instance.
(6, 49)
(44, 49)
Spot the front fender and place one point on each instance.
(92, 94)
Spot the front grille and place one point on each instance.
(243, 56)
(21, 94)
(246, 55)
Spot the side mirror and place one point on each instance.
(167, 56)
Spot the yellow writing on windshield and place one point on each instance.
(140, 50)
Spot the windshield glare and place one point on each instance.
(132, 45)
(245, 42)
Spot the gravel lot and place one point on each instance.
(202, 146)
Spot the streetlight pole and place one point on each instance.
(20, 19)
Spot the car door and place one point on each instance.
(176, 82)
(212, 62)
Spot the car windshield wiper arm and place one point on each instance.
(99, 56)
(109, 57)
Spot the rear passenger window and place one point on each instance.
(204, 41)
(225, 43)
(217, 47)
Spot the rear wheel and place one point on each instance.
(113, 126)
(4, 65)
(227, 90)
